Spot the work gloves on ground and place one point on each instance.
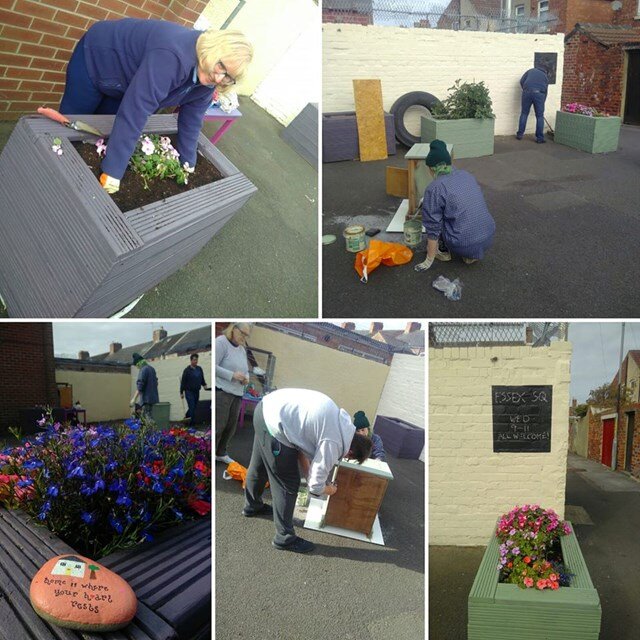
(109, 184)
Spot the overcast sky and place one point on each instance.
(95, 337)
(596, 352)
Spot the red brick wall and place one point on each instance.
(37, 38)
(349, 17)
(594, 449)
(622, 440)
(592, 74)
(627, 14)
(27, 369)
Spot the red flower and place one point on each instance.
(527, 559)
(201, 507)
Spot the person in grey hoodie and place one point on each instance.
(297, 428)
(146, 394)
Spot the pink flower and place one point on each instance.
(528, 582)
(101, 147)
(541, 584)
(147, 146)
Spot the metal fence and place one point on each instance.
(476, 334)
(457, 15)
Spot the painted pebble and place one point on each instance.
(75, 592)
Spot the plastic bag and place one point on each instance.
(452, 290)
(379, 252)
(235, 471)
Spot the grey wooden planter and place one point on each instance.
(505, 611)
(470, 137)
(593, 135)
(66, 250)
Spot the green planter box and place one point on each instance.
(470, 137)
(593, 135)
(160, 413)
(504, 611)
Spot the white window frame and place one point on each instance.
(521, 6)
(542, 10)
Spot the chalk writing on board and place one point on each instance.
(522, 418)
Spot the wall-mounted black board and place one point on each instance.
(522, 418)
(549, 61)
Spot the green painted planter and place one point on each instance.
(470, 137)
(593, 135)
(504, 611)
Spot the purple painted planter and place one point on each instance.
(66, 249)
(400, 438)
(340, 136)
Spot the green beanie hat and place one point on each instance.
(438, 154)
(360, 420)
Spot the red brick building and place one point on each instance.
(37, 38)
(349, 12)
(618, 436)
(602, 69)
(27, 370)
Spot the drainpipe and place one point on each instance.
(614, 457)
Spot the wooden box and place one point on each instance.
(361, 489)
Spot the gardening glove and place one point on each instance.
(423, 266)
(109, 184)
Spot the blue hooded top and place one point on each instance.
(149, 64)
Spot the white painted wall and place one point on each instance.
(431, 60)
(403, 393)
(169, 371)
(284, 75)
(469, 485)
(580, 429)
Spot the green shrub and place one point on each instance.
(466, 100)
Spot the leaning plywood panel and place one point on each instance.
(372, 136)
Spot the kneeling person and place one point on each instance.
(454, 213)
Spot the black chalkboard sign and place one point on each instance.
(522, 418)
(549, 61)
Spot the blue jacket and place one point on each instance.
(377, 450)
(149, 64)
(147, 385)
(535, 79)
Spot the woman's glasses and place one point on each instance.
(221, 70)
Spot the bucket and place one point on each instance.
(412, 233)
(354, 237)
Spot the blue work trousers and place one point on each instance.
(192, 402)
(536, 98)
(80, 94)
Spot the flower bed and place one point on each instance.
(584, 128)
(105, 488)
(502, 606)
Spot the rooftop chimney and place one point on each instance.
(83, 355)
(412, 327)
(159, 334)
(375, 327)
(114, 347)
(528, 335)
(350, 326)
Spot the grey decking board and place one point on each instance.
(83, 243)
(302, 134)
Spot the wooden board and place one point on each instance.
(372, 136)
(356, 503)
(397, 182)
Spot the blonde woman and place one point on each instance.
(134, 67)
(232, 374)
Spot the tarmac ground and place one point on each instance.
(604, 508)
(567, 225)
(264, 261)
(344, 589)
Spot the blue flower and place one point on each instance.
(157, 487)
(89, 518)
(76, 472)
(33, 463)
(134, 425)
(118, 486)
(98, 485)
(124, 500)
(111, 466)
(147, 537)
(177, 513)
(25, 483)
(53, 491)
(116, 524)
(46, 507)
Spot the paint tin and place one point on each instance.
(413, 233)
(355, 238)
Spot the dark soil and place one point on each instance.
(132, 193)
